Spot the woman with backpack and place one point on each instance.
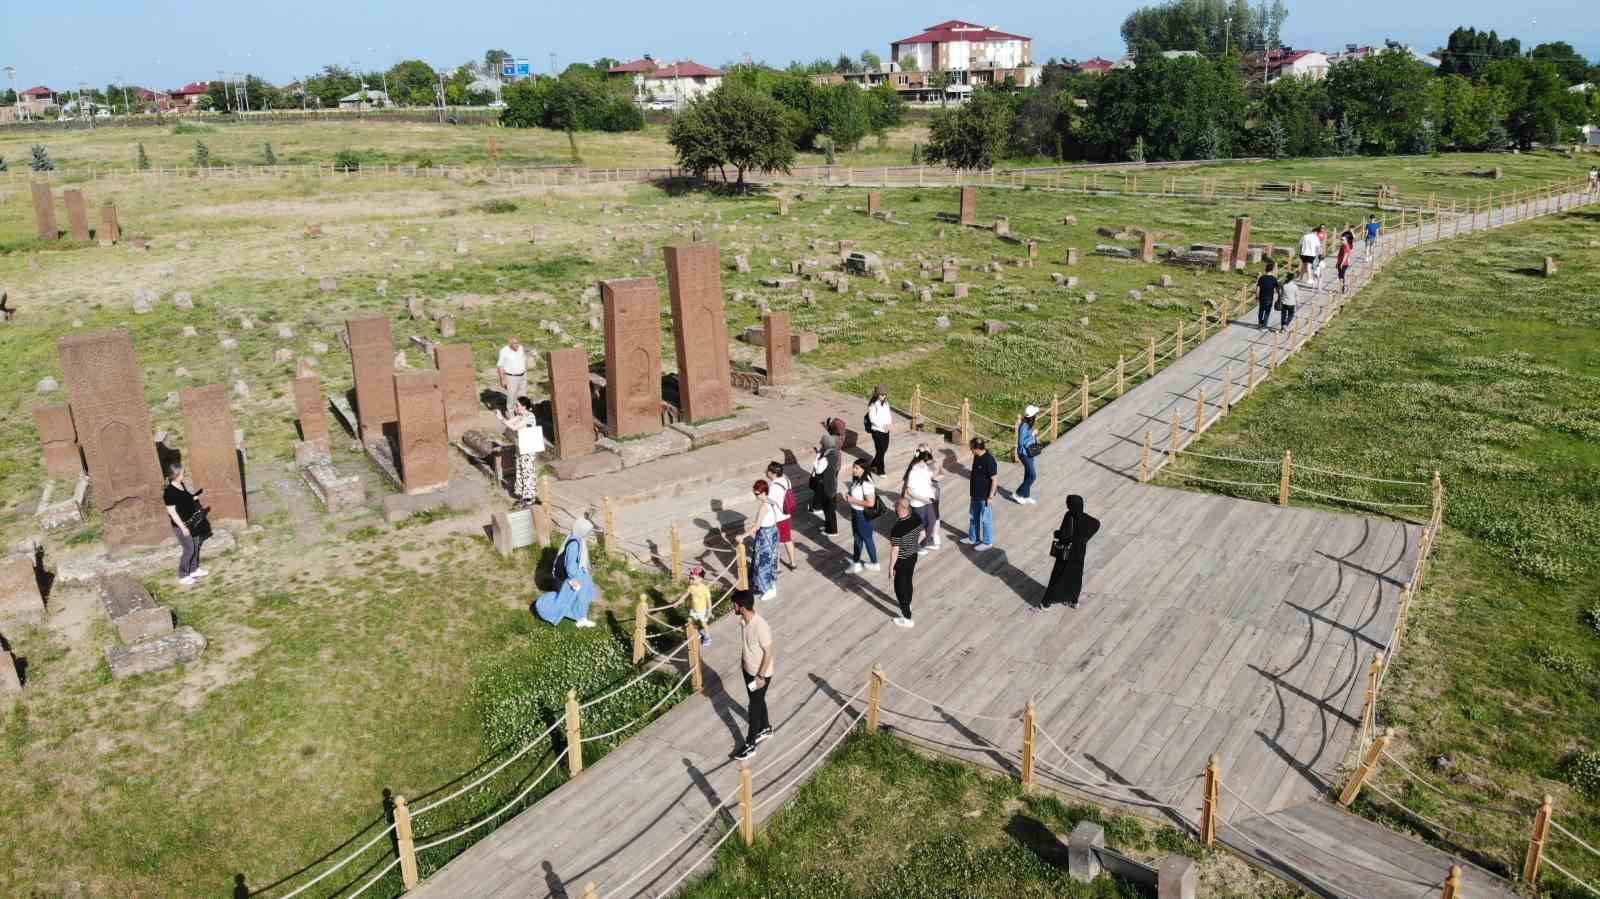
(1027, 447)
(575, 588)
(862, 497)
(879, 420)
(764, 575)
(1067, 547)
(781, 489)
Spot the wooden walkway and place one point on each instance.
(1209, 625)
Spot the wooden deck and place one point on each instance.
(1209, 625)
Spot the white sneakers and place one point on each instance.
(967, 541)
(983, 547)
(584, 622)
(874, 566)
(199, 572)
(904, 622)
(186, 581)
(1024, 500)
(856, 568)
(770, 594)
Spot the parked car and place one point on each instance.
(661, 103)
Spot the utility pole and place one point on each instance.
(11, 73)
(1227, 34)
(126, 109)
(226, 105)
(441, 95)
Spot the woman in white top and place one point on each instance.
(764, 579)
(921, 491)
(1288, 298)
(880, 419)
(524, 428)
(862, 498)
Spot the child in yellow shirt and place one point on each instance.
(700, 602)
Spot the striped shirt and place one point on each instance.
(906, 536)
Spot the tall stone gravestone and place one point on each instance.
(458, 386)
(700, 331)
(779, 329)
(633, 355)
(59, 440)
(110, 228)
(570, 406)
(424, 458)
(1241, 242)
(211, 457)
(44, 210)
(969, 205)
(1147, 247)
(309, 408)
(113, 426)
(372, 359)
(874, 202)
(77, 213)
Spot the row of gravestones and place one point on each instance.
(44, 214)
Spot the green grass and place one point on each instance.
(1461, 358)
(879, 819)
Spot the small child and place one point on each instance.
(700, 602)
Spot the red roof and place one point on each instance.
(639, 65)
(686, 68)
(193, 87)
(1096, 64)
(957, 30)
(40, 91)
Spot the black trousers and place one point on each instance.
(757, 707)
(880, 447)
(826, 501)
(903, 571)
(1263, 312)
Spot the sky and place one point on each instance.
(166, 43)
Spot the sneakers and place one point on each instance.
(1019, 499)
(817, 513)
(982, 547)
(705, 639)
(746, 751)
(856, 568)
(968, 541)
(874, 566)
(186, 581)
(770, 594)
(199, 573)
(923, 551)
(762, 735)
(904, 622)
(1030, 501)
(584, 622)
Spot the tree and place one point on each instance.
(973, 135)
(732, 126)
(1300, 107)
(844, 115)
(579, 100)
(909, 64)
(885, 109)
(1043, 119)
(1347, 140)
(1212, 27)
(844, 64)
(491, 62)
(1465, 112)
(1274, 140)
(1170, 104)
(41, 159)
(267, 156)
(1384, 96)
(871, 61)
(1539, 108)
(1573, 68)
(412, 82)
(141, 159)
(1469, 51)
(202, 155)
(331, 84)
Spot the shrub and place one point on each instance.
(41, 159)
(1583, 772)
(192, 128)
(142, 160)
(267, 156)
(347, 160)
(3, 165)
(202, 155)
(1591, 617)
(498, 207)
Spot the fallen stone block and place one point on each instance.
(131, 608)
(336, 491)
(459, 495)
(10, 674)
(639, 450)
(512, 530)
(20, 596)
(802, 342)
(157, 653)
(1083, 861)
(709, 433)
(586, 466)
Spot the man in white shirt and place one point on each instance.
(512, 367)
(1311, 251)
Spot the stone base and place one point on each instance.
(336, 491)
(780, 390)
(88, 568)
(802, 342)
(64, 513)
(639, 450)
(382, 455)
(132, 609)
(741, 423)
(19, 590)
(155, 653)
(586, 466)
(309, 452)
(513, 530)
(457, 496)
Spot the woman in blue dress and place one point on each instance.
(575, 587)
(765, 577)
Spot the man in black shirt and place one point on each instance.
(1266, 293)
(182, 507)
(906, 538)
(985, 481)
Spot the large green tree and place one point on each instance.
(1466, 113)
(1469, 51)
(1573, 67)
(1539, 107)
(844, 115)
(580, 100)
(735, 126)
(1384, 97)
(1300, 106)
(412, 82)
(1212, 27)
(974, 134)
(1185, 108)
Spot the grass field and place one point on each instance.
(348, 656)
(1462, 358)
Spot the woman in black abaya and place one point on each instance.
(1066, 577)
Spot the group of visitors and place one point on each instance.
(1281, 293)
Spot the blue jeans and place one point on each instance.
(1029, 474)
(865, 536)
(981, 516)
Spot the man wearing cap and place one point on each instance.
(1027, 447)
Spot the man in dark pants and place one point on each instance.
(756, 662)
(906, 539)
(1266, 292)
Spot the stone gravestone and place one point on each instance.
(313, 415)
(1072, 256)
(77, 213)
(131, 608)
(458, 386)
(874, 203)
(424, 460)
(59, 439)
(211, 455)
(1241, 242)
(780, 357)
(113, 425)
(110, 227)
(44, 210)
(19, 590)
(700, 331)
(1002, 226)
(969, 205)
(372, 359)
(633, 355)
(1147, 248)
(571, 410)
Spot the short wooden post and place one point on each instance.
(678, 573)
(1028, 718)
(1203, 324)
(1121, 384)
(1208, 811)
(610, 535)
(1055, 417)
(1083, 400)
(916, 408)
(1452, 884)
(1541, 832)
(1438, 500)
(1283, 478)
(1199, 411)
(574, 736)
(966, 419)
(1369, 764)
(1369, 709)
(1150, 358)
(696, 680)
(874, 698)
(1277, 338)
(1178, 350)
(747, 809)
(743, 568)
(1144, 460)
(641, 624)
(1172, 441)
(404, 844)
(1250, 373)
(1227, 388)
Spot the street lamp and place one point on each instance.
(11, 73)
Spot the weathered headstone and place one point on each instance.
(312, 412)
(77, 213)
(158, 653)
(951, 272)
(1083, 863)
(447, 326)
(132, 609)
(874, 202)
(422, 437)
(783, 205)
(571, 409)
(780, 356)
(212, 456)
(1177, 878)
(113, 423)
(372, 359)
(44, 210)
(1147, 248)
(1033, 249)
(1002, 226)
(1072, 256)
(1550, 267)
(633, 355)
(458, 386)
(969, 205)
(110, 228)
(1240, 257)
(415, 308)
(19, 590)
(10, 678)
(803, 342)
(700, 331)
(59, 440)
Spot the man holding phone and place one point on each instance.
(756, 637)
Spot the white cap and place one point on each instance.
(1030, 412)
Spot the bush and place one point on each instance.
(267, 156)
(41, 159)
(142, 160)
(202, 155)
(498, 207)
(1583, 772)
(347, 160)
(1591, 617)
(192, 128)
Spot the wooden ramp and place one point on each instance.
(1209, 625)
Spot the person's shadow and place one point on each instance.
(552, 880)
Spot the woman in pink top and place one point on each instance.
(1347, 248)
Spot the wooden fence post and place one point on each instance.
(1083, 400)
(1208, 811)
(574, 736)
(609, 538)
(747, 811)
(916, 408)
(1438, 500)
(1055, 416)
(1250, 373)
(1028, 720)
(1172, 441)
(966, 419)
(1227, 388)
(404, 843)
(1199, 411)
(1277, 338)
(1144, 460)
(1203, 323)
(1283, 478)
(641, 624)
(874, 698)
(696, 678)
(1369, 709)
(1541, 832)
(1452, 884)
(1150, 358)
(1178, 348)
(677, 554)
(1121, 386)
(743, 568)
(1369, 764)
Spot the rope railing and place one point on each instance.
(501, 810)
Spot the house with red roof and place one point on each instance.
(957, 46)
(35, 100)
(1096, 65)
(185, 98)
(1293, 63)
(669, 84)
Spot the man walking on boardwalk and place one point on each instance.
(756, 662)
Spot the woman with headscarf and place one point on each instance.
(1027, 445)
(575, 588)
(764, 580)
(825, 477)
(1067, 548)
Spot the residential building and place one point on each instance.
(364, 99)
(1293, 63)
(186, 98)
(1591, 135)
(35, 100)
(669, 84)
(1096, 65)
(961, 47)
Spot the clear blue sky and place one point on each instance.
(164, 43)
